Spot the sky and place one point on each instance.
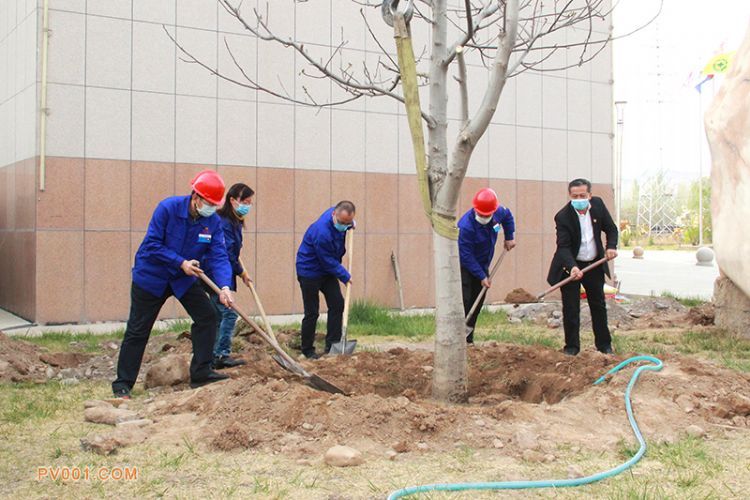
(655, 71)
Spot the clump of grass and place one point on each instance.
(366, 318)
(733, 352)
(28, 401)
(687, 301)
(92, 342)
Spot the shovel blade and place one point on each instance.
(322, 384)
(343, 347)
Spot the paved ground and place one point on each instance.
(665, 270)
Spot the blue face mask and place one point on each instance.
(206, 210)
(580, 204)
(341, 227)
(242, 210)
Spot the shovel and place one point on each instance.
(484, 290)
(570, 278)
(289, 364)
(345, 347)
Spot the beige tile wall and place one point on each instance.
(85, 247)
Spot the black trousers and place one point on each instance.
(329, 286)
(593, 283)
(144, 309)
(471, 286)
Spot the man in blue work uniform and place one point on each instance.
(477, 235)
(319, 269)
(183, 231)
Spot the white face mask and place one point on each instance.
(482, 220)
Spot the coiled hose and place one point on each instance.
(559, 483)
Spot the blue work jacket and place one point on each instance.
(322, 249)
(233, 242)
(476, 242)
(173, 237)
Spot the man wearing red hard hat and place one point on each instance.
(184, 231)
(477, 234)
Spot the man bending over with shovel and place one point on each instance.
(579, 225)
(319, 269)
(477, 235)
(183, 231)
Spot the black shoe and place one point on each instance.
(209, 379)
(122, 393)
(607, 350)
(571, 351)
(311, 355)
(227, 362)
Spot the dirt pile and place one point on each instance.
(548, 396)
(19, 361)
(519, 296)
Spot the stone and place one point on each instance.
(343, 456)
(638, 253)
(554, 323)
(526, 439)
(704, 257)
(108, 415)
(91, 403)
(515, 321)
(532, 456)
(549, 457)
(726, 130)
(391, 455)
(731, 306)
(695, 431)
(557, 314)
(575, 471)
(685, 402)
(307, 426)
(479, 423)
(427, 368)
(171, 370)
(99, 444)
(141, 422)
(422, 446)
(400, 447)
(497, 444)
(49, 372)
(70, 381)
(68, 373)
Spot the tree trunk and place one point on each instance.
(450, 379)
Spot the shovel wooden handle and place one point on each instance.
(483, 292)
(274, 345)
(570, 278)
(262, 311)
(348, 292)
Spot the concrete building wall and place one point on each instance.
(130, 123)
(18, 139)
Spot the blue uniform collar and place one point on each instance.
(184, 211)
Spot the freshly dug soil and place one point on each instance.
(520, 296)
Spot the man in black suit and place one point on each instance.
(579, 226)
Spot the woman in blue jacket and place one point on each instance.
(237, 205)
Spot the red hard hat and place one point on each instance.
(485, 202)
(209, 185)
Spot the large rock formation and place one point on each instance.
(728, 130)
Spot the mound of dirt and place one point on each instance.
(519, 296)
(704, 314)
(19, 361)
(546, 394)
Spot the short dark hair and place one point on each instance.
(240, 192)
(580, 182)
(346, 206)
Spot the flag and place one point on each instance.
(718, 64)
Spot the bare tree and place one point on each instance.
(508, 37)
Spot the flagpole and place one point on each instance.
(700, 168)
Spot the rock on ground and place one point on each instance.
(343, 456)
(108, 415)
(171, 370)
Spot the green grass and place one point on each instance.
(25, 401)
(687, 301)
(91, 342)
(733, 352)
